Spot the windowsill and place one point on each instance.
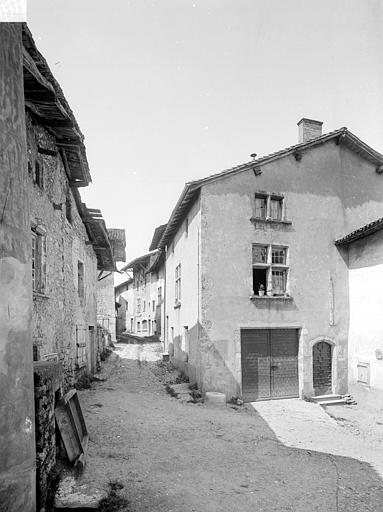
(270, 221)
(271, 297)
(177, 304)
(39, 296)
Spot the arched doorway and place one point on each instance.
(322, 368)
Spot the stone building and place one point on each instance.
(17, 447)
(70, 242)
(257, 292)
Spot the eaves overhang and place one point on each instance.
(138, 263)
(46, 102)
(362, 232)
(98, 235)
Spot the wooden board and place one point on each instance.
(71, 424)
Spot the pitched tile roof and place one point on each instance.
(361, 232)
(192, 188)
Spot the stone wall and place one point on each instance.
(48, 382)
(17, 450)
(62, 320)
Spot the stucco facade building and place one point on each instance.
(363, 249)
(257, 292)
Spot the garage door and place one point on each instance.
(269, 363)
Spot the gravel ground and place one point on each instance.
(174, 457)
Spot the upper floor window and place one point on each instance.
(38, 260)
(39, 174)
(270, 270)
(269, 207)
(178, 284)
(138, 305)
(153, 305)
(159, 292)
(80, 279)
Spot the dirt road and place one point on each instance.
(181, 457)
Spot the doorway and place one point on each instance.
(322, 368)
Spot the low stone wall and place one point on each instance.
(48, 385)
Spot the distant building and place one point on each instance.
(256, 291)
(106, 312)
(143, 295)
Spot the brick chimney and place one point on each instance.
(309, 129)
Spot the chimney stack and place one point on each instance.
(309, 129)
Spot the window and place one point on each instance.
(270, 270)
(143, 305)
(260, 207)
(278, 255)
(68, 208)
(138, 327)
(38, 241)
(144, 325)
(178, 284)
(80, 279)
(81, 355)
(138, 305)
(153, 305)
(268, 207)
(159, 292)
(276, 209)
(39, 174)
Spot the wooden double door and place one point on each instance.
(269, 364)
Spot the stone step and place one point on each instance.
(320, 398)
(340, 401)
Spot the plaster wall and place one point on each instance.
(61, 318)
(328, 193)
(366, 320)
(106, 311)
(182, 320)
(17, 447)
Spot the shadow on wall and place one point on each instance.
(199, 359)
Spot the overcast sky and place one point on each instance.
(166, 91)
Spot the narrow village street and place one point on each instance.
(175, 456)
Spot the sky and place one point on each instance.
(167, 91)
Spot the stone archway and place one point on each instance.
(322, 367)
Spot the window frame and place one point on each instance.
(38, 260)
(268, 210)
(177, 295)
(80, 279)
(273, 267)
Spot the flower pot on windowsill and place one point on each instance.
(269, 293)
(261, 290)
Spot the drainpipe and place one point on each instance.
(166, 347)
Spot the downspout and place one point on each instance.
(166, 348)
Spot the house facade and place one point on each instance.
(364, 251)
(257, 292)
